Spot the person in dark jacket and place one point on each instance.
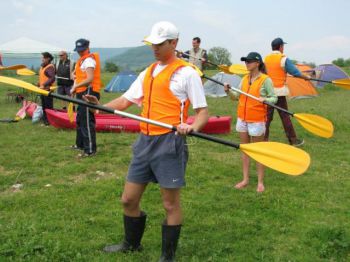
(64, 69)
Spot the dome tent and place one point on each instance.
(300, 88)
(329, 72)
(121, 82)
(215, 90)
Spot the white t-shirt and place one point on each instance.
(185, 84)
(88, 62)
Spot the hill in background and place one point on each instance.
(125, 57)
(135, 58)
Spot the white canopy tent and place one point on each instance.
(27, 51)
(24, 47)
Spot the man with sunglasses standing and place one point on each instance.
(165, 91)
(277, 66)
(64, 69)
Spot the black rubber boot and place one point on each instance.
(133, 228)
(170, 237)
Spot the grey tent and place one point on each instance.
(215, 90)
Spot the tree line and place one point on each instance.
(341, 62)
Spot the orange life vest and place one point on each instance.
(273, 67)
(251, 110)
(42, 77)
(81, 75)
(159, 103)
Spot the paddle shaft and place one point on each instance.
(249, 95)
(320, 80)
(142, 119)
(201, 59)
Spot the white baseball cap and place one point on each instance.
(161, 32)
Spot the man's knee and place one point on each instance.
(128, 202)
(171, 207)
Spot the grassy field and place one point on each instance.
(68, 209)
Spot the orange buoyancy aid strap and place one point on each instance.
(274, 69)
(81, 75)
(249, 109)
(159, 103)
(42, 77)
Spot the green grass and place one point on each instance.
(303, 218)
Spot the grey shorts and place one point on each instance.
(159, 159)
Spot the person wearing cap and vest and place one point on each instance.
(277, 66)
(87, 81)
(252, 114)
(46, 80)
(165, 91)
(196, 55)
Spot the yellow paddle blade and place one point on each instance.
(13, 67)
(316, 124)
(281, 157)
(70, 112)
(225, 69)
(238, 69)
(25, 72)
(345, 83)
(23, 84)
(53, 88)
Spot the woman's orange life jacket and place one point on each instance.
(81, 75)
(251, 110)
(273, 67)
(42, 77)
(159, 103)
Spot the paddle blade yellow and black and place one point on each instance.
(25, 72)
(344, 83)
(12, 67)
(317, 125)
(281, 157)
(70, 112)
(238, 69)
(23, 84)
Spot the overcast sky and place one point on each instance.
(316, 31)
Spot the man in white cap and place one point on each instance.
(164, 90)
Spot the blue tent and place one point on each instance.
(121, 82)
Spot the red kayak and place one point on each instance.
(115, 123)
